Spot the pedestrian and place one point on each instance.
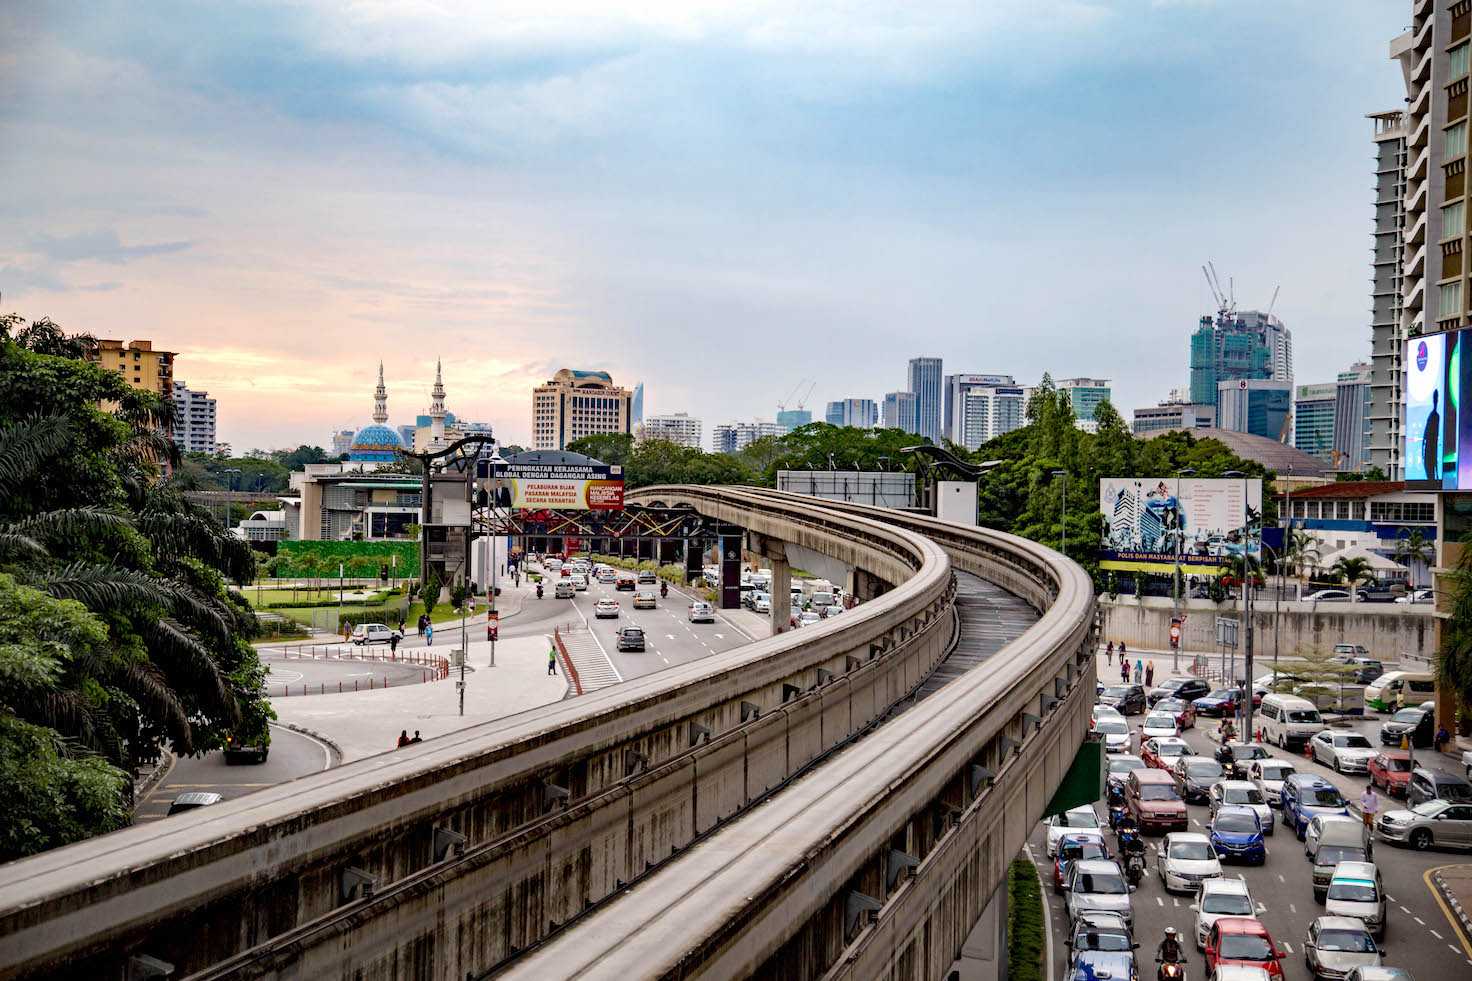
(1442, 738)
(1122, 652)
(552, 661)
(419, 625)
(403, 738)
(1124, 671)
(429, 634)
(1150, 674)
(1139, 671)
(416, 738)
(1369, 804)
(472, 606)
(393, 643)
(1109, 653)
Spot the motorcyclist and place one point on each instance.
(1169, 950)
(539, 590)
(664, 589)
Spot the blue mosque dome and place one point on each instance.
(375, 443)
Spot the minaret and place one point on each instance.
(380, 399)
(437, 411)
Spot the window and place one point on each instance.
(1453, 221)
(1456, 140)
(1451, 299)
(1341, 511)
(1456, 62)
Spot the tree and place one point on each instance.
(1454, 657)
(298, 458)
(1412, 548)
(1302, 551)
(1318, 677)
(509, 450)
(430, 595)
(1352, 570)
(613, 449)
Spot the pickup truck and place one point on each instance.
(1384, 591)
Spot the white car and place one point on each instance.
(1079, 820)
(1220, 897)
(1100, 711)
(605, 609)
(1419, 596)
(1268, 776)
(579, 581)
(1243, 792)
(1240, 972)
(761, 603)
(702, 612)
(375, 633)
(1158, 724)
(1168, 750)
(1185, 859)
(1346, 752)
(1116, 733)
(608, 575)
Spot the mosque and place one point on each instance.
(380, 443)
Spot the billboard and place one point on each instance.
(1147, 524)
(539, 487)
(1431, 417)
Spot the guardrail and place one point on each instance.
(452, 855)
(878, 862)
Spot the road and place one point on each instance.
(292, 755)
(292, 676)
(1420, 936)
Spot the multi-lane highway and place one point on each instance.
(1420, 935)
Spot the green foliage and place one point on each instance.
(1026, 941)
(1322, 678)
(1454, 656)
(299, 557)
(1412, 548)
(458, 592)
(431, 593)
(1352, 570)
(54, 796)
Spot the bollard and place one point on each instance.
(424, 677)
(355, 684)
(339, 687)
(324, 689)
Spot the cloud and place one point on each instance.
(102, 245)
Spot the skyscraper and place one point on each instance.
(989, 411)
(863, 413)
(790, 419)
(1085, 394)
(1353, 399)
(1387, 332)
(925, 380)
(953, 404)
(899, 411)
(1313, 419)
(1245, 344)
(194, 428)
(732, 437)
(1254, 405)
(575, 404)
(636, 410)
(676, 427)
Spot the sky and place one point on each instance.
(719, 198)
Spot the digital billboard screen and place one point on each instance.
(1432, 366)
(1149, 521)
(567, 487)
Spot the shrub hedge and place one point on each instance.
(1025, 937)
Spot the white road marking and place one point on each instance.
(1160, 901)
(1177, 902)
(1437, 935)
(1453, 949)
(720, 636)
(1287, 947)
(1419, 920)
(1405, 911)
(1291, 907)
(1281, 879)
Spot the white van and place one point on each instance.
(1355, 889)
(1396, 689)
(1288, 721)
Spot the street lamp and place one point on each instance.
(1175, 582)
(230, 485)
(1246, 606)
(1064, 527)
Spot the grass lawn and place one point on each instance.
(443, 613)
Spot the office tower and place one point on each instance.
(1254, 405)
(1238, 345)
(1174, 413)
(989, 411)
(574, 404)
(1313, 419)
(925, 380)
(899, 411)
(676, 427)
(1353, 401)
(954, 402)
(790, 419)
(1085, 394)
(732, 437)
(637, 409)
(863, 413)
(194, 427)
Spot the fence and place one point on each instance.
(569, 670)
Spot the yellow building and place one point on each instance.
(575, 404)
(139, 364)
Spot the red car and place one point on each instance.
(1183, 710)
(1152, 756)
(1242, 940)
(1391, 770)
(1071, 847)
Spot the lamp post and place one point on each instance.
(1064, 527)
(230, 490)
(1246, 605)
(1175, 581)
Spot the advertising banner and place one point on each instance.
(565, 487)
(1431, 417)
(1148, 525)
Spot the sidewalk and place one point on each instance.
(365, 724)
(1455, 885)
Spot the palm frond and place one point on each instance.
(147, 683)
(106, 587)
(89, 521)
(25, 446)
(188, 666)
(193, 534)
(17, 544)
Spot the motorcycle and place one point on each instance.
(1134, 867)
(1116, 811)
(539, 590)
(1170, 970)
(664, 590)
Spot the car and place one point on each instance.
(1366, 670)
(1116, 733)
(1129, 699)
(761, 603)
(1381, 973)
(1159, 724)
(1102, 965)
(1120, 766)
(1151, 797)
(1344, 653)
(375, 633)
(1434, 822)
(1304, 796)
(1236, 832)
(608, 575)
(625, 580)
(563, 589)
(1072, 846)
(579, 582)
(630, 639)
(644, 600)
(1248, 753)
(1098, 885)
(1428, 784)
(1217, 898)
(1184, 689)
(1194, 777)
(647, 577)
(1412, 722)
(243, 749)
(809, 617)
(605, 609)
(1391, 770)
(1328, 596)
(1346, 752)
(702, 612)
(1419, 596)
(1219, 703)
(193, 801)
(1385, 590)
(832, 610)
(1356, 890)
(1183, 710)
(1100, 931)
(1337, 944)
(1242, 940)
(1163, 753)
(1077, 819)
(1268, 775)
(1241, 793)
(1100, 711)
(1184, 859)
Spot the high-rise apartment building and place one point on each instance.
(138, 363)
(1313, 419)
(953, 404)
(342, 439)
(1352, 405)
(1084, 394)
(1254, 405)
(676, 427)
(790, 419)
(863, 413)
(574, 404)
(194, 425)
(1245, 344)
(732, 437)
(899, 411)
(1387, 333)
(989, 411)
(926, 381)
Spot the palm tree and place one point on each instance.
(1454, 658)
(1412, 548)
(1353, 570)
(1302, 550)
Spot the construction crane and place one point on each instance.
(1274, 302)
(782, 403)
(1226, 301)
(803, 401)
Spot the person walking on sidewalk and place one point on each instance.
(1124, 671)
(1139, 671)
(1369, 804)
(1109, 653)
(429, 634)
(1150, 674)
(552, 661)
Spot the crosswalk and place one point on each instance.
(594, 669)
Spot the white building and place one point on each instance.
(732, 437)
(676, 427)
(953, 402)
(195, 430)
(986, 411)
(900, 412)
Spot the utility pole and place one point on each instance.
(1175, 582)
(1247, 576)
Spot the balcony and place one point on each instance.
(1415, 295)
(1420, 132)
(1421, 74)
(1416, 197)
(1419, 165)
(1416, 234)
(1417, 266)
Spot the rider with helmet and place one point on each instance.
(1169, 950)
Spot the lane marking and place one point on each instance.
(1291, 907)
(1456, 927)
(1438, 936)
(1287, 947)
(1405, 911)
(1159, 901)
(1419, 920)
